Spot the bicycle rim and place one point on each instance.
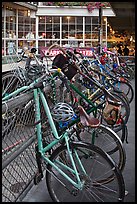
(107, 140)
(127, 89)
(97, 188)
(10, 82)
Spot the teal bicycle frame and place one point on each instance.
(38, 94)
(57, 139)
(93, 109)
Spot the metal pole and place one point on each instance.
(100, 30)
(106, 31)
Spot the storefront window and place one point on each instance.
(42, 27)
(79, 27)
(11, 24)
(88, 27)
(10, 47)
(56, 27)
(66, 30)
(26, 26)
(49, 27)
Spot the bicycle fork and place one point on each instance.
(58, 164)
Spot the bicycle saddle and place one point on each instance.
(86, 119)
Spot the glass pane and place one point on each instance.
(72, 30)
(10, 47)
(64, 20)
(41, 27)
(71, 20)
(95, 35)
(79, 20)
(49, 19)
(64, 31)
(87, 20)
(41, 19)
(26, 26)
(95, 20)
(56, 27)
(56, 19)
(88, 43)
(10, 23)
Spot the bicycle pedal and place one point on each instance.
(38, 177)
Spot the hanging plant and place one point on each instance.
(48, 3)
(59, 4)
(96, 5)
(90, 5)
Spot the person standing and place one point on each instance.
(126, 51)
(119, 50)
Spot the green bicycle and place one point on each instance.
(75, 171)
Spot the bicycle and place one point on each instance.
(19, 77)
(24, 74)
(122, 69)
(115, 143)
(69, 165)
(119, 82)
(106, 79)
(120, 65)
(98, 94)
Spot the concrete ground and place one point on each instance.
(39, 193)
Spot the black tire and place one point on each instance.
(107, 140)
(130, 71)
(127, 88)
(98, 183)
(10, 82)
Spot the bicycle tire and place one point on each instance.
(130, 71)
(105, 138)
(10, 82)
(127, 88)
(61, 190)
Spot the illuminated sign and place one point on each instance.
(55, 51)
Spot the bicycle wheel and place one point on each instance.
(127, 88)
(10, 82)
(107, 140)
(97, 183)
(130, 70)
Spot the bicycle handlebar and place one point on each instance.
(30, 54)
(19, 60)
